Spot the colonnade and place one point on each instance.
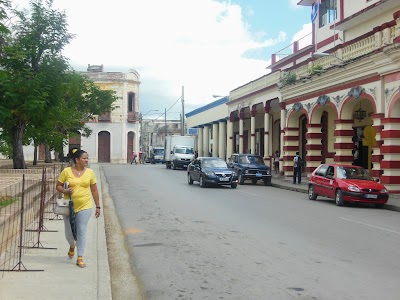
(217, 138)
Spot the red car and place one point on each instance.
(346, 183)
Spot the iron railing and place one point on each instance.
(26, 201)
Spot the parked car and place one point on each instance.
(346, 183)
(250, 167)
(211, 171)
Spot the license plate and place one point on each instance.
(224, 179)
(371, 196)
(258, 175)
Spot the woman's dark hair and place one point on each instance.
(75, 153)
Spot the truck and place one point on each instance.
(179, 151)
(156, 155)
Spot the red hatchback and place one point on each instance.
(346, 183)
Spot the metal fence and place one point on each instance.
(27, 198)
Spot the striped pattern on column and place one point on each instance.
(290, 147)
(313, 147)
(377, 157)
(391, 154)
(344, 145)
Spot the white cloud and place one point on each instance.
(196, 44)
(304, 36)
(293, 4)
(175, 43)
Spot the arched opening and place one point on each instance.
(130, 145)
(324, 139)
(362, 111)
(303, 139)
(276, 136)
(104, 146)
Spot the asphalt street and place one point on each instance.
(253, 242)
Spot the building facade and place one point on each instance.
(154, 131)
(327, 98)
(115, 135)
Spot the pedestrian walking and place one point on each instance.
(133, 158)
(276, 162)
(140, 157)
(297, 162)
(81, 188)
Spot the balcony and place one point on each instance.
(106, 117)
(133, 117)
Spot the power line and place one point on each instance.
(169, 108)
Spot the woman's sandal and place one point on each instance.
(71, 251)
(80, 263)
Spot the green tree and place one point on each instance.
(41, 99)
(4, 5)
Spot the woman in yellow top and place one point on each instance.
(82, 187)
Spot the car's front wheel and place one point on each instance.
(311, 193)
(241, 178)
(339, 198)
(267, 181)
(190, 180)
(202, 183)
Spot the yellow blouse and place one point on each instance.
(82, 195)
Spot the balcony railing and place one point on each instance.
(133, 116)
(292, 48)
(106, 117)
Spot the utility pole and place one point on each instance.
(183, 111)
(165, 125)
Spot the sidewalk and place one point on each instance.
(52, 275)
(287, 184)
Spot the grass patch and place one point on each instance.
(6, 200)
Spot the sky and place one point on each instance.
(209, 47)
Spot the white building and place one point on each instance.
(328, 97)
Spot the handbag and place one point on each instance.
(61, 207)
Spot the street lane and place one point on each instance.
(253, 242)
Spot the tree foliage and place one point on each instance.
(42, 99)
(4, 5)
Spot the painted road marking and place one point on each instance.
(370, 225)
(133, 230)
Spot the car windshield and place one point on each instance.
(251, 159)
(352, 173)
(158, 151)
(214, 163)
(184, 150)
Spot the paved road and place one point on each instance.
(253, 242)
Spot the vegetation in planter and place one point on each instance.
(288, 78)
(314, 69)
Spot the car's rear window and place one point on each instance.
(251, 159)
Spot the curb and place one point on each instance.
(291, 188)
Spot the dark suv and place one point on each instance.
(250, 167)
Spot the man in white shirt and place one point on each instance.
(297, 161)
